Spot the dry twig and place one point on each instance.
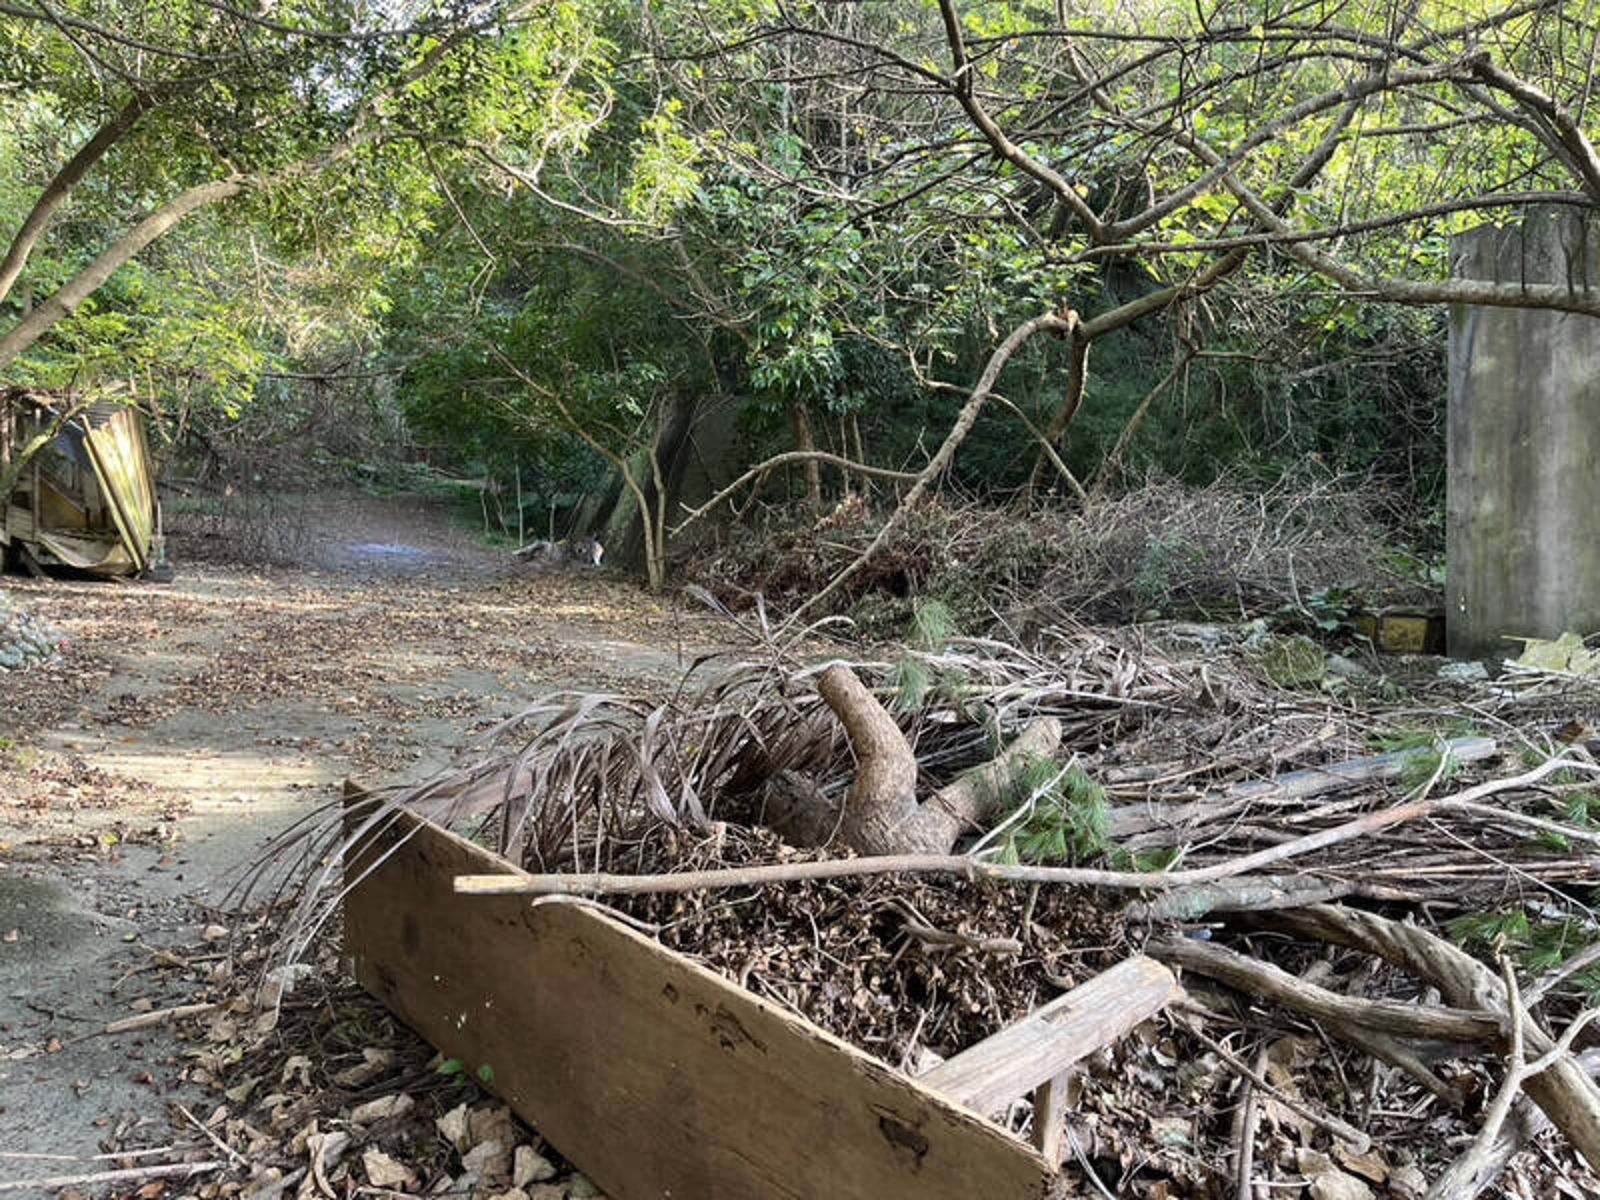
(1465, 1177)
(124, 1175)
(969, 868)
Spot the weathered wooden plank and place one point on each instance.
(1050, 1117)
(655, 1076)
(1013, 1062)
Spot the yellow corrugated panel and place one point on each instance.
(122, 465)
(101, 555)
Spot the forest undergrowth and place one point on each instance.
(1162, 550)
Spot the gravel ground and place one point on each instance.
(141, 770)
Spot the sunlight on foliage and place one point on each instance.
(664, 178)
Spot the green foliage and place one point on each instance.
(618, 207)
(307, 266)
(1405, 739)
(913, 679)
(1164, 556)
(1070, 820)
(1421, 767)
(1425, 756)
(663, 178)
(1578, 807)
(1537, 943)
(932, 626)
(911, 683)
(1157, 858)
(1325, 612)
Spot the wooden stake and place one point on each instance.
(1050, 1117)
(1033, 1052)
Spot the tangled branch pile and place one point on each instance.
(1185, 796)
(1176, 550)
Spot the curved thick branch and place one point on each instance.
(961, 84)
(84, 284)
(365, 128)
(1352, 94)
(1558, 297)
(1568, 135)
(1562, 1088)
(881, 805)
(788, 457)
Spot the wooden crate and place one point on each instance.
(659, 1078)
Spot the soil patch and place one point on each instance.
(188, 722)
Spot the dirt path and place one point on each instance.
(190, 721)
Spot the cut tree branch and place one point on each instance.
(966, 867)
(1563, 1090)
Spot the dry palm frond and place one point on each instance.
(590, 781)
(609, 783)
(1184, 760)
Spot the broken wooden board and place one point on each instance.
(653, 1075)
(1042, 1045)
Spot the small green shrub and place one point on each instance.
(914, 680)
(1166, 555)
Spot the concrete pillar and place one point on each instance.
(1523, 527)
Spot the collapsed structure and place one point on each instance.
(86, 498)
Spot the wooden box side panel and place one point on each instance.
(655, 1076)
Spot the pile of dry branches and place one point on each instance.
(1166, 547)
(1305, 885)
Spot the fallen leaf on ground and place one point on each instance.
(382, 1108)
(453, 1126)
(383, 1171)
(529, 1166)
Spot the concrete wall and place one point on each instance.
(1524, 443)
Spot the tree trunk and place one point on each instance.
(882, 800)
(84, 284)
(800, 419)
(58, 189)
(881, 812)
(655, 522)
(81, 286)
(1077, 373)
